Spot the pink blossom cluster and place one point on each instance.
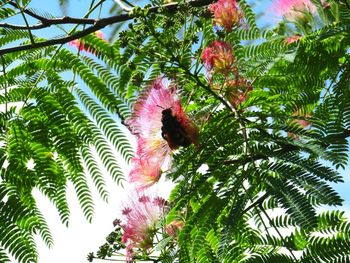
(78, 43)
(173, 228)
(237, 91)
(153, 152)
(153, 155)
(218, 56)
(139, 222)
(226, 14)
(293, 10)
(293, 39)
(304, 123)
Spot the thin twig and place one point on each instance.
(207, 88)
(4, 74)
(325, 141)
(247, 152)
(27, 24)
(81, 44)
(257, 202)
(122, 6)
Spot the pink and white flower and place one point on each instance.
(140, 220)
(174, 227)
(235, 91)
(293, 10)
(129, 253)
(153, 151)
(304, 123)
(218, 56)
(146, 168)
(147, 114)
(293, 39)
(238, 91)
(226, 14)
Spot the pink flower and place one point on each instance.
(293, 39)
(159, 201)
(293, 10)
(235, 91)
(218, 56)
(155, 140)
(129, 253)
(174, 227)
(302, 122)
(226, 14)
(126, 211)
(238, 96)
(140, 222)
(117, 222)
(146, 165)
(99, 34)
(85, 47)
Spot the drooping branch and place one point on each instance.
(97, 24)
(286, 148)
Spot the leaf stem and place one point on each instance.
(5, 80)
(26, 22)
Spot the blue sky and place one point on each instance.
(72, 244)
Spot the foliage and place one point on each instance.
(50, 127)
(271, 142)
(266, 174)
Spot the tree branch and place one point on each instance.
(46, 22)
(97, 25)
(257, 202)
(53, 21)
